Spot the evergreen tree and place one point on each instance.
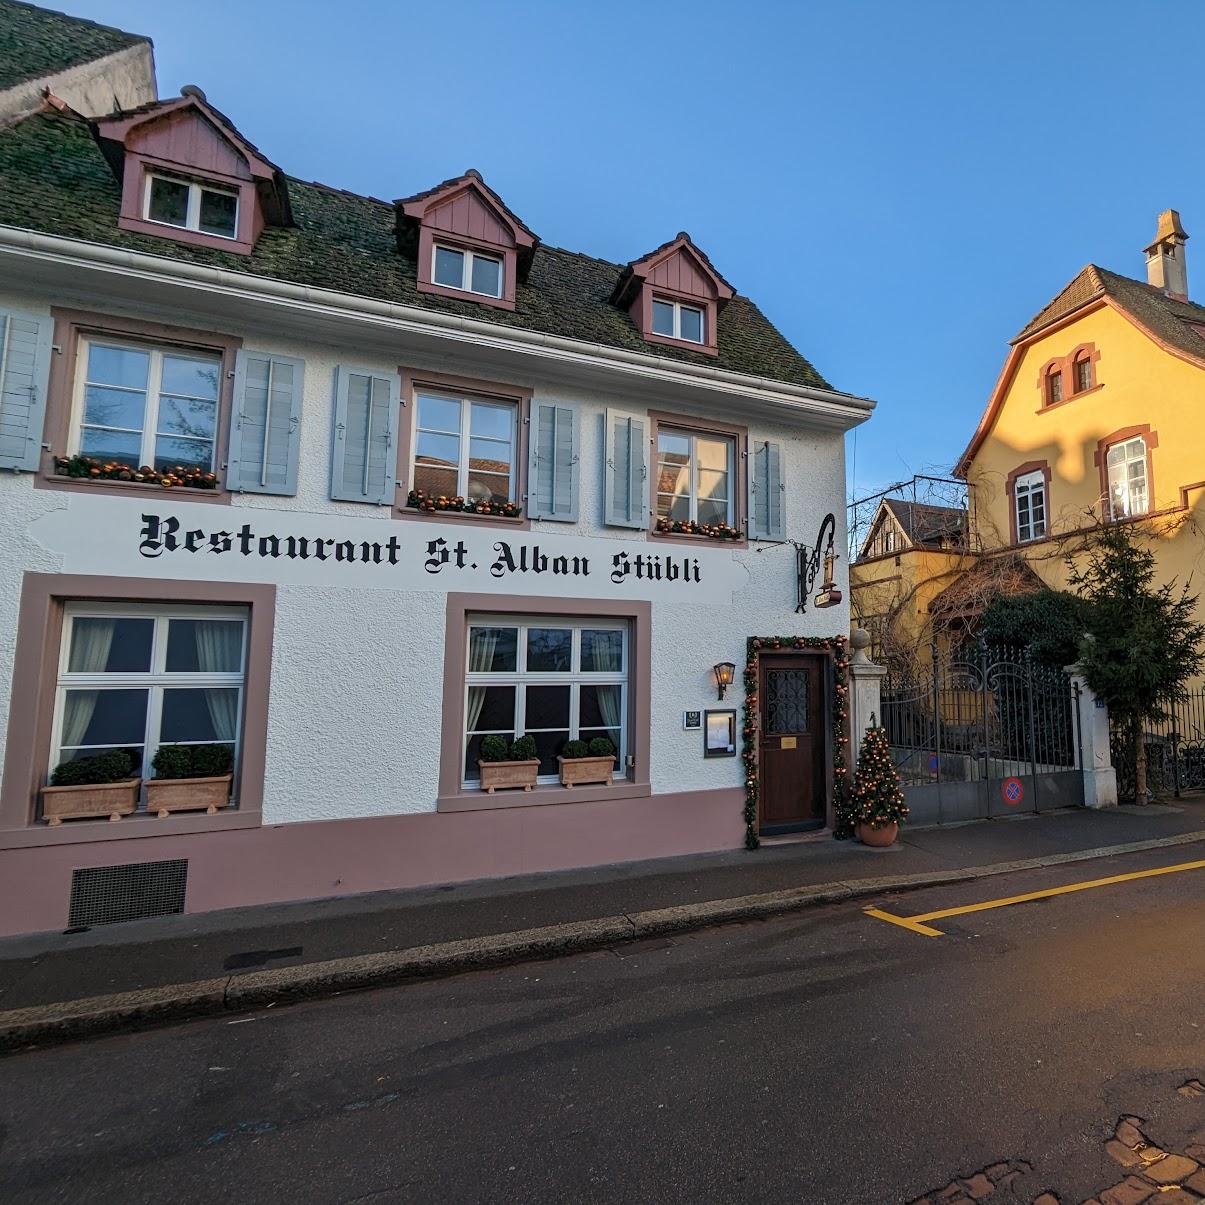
(877, 799)
(1142, 644)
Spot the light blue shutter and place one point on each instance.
(265, 428)
(625, 476)
(24, 373)
(767, 492)
(364, 450)
(552, 463)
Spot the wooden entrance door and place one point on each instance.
(793, 738)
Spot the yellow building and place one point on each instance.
(1099, 417)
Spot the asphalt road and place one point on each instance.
(822, 1058)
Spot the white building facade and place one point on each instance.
(225, 519)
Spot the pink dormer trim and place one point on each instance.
(186, 139)
(466, 215)
(676, 271)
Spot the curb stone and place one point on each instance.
(66, 1020)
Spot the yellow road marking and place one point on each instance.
(917, 923)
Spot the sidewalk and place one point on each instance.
(52, 968)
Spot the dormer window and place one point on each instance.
(677, 321)
(470, 271)
(192, 206)
(674, 296)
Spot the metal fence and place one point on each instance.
(990, 733)
(1175, 751)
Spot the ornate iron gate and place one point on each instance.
(990, 733)
(1175, 751)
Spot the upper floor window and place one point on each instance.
(465, 447)
(695, 477)
(1127, 476)
(143, 405)
(191, 206)
(468, 270)
(1082, 371)
(135, 677)
(1029, 499)
(677, 321)
(1054, 386)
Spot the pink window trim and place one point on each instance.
(426, 265)
(138, 167)
(644, 306)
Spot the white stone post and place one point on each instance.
(1096, 761)
(865, 695)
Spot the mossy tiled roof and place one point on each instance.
(35, 42)
(57, 182)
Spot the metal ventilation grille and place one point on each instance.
(104, 895)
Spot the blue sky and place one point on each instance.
(899, 186)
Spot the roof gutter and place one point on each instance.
(835, 409)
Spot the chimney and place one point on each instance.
(1165, 266)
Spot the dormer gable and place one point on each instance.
(187, 174)
(466, 242)
(886, 535)
(674, 296)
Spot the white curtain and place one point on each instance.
(606, 656)
(482, 643)
(219, 650)
(91, 641)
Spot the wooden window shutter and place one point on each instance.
(552, 473)
(364, 449)
(625, 481)
(24, 373)
(767, 492)
(265, 427)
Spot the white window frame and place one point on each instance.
(1134, 452)
(1027, 488)
(154, 387)
(155, 680)
(192, 220)
(678, 307)
(465, 436)
(466, 276)
(694, 437)
(521, 678)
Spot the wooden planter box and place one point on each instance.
(166, 795)
(577, 771)
(112, 799)
(505, 774)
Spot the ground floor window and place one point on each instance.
(554, 679)
(139, 676)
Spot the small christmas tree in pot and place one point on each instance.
(877, 802)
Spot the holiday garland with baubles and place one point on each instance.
(877, 799)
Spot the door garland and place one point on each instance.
(837, 647)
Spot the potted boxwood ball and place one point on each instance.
(190, 778)
(105, 784)
(878, 802)
(505, 765)
(587, 762)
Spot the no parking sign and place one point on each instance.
(1012, 791)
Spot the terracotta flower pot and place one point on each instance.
(506, 774)
(112, 799)
(166, 795)
(878, 838)
(576, 771)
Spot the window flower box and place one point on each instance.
(503, 775)
(684, 527)
(85, 468)
(90, 801)
(420, 500)
(167, 795)
(578, 771)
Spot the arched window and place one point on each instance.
(1054, 385)
(1082, 372)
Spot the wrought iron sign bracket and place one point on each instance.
(809, 561)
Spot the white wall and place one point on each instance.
(357, 675)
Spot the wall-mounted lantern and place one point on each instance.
(724, 672)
